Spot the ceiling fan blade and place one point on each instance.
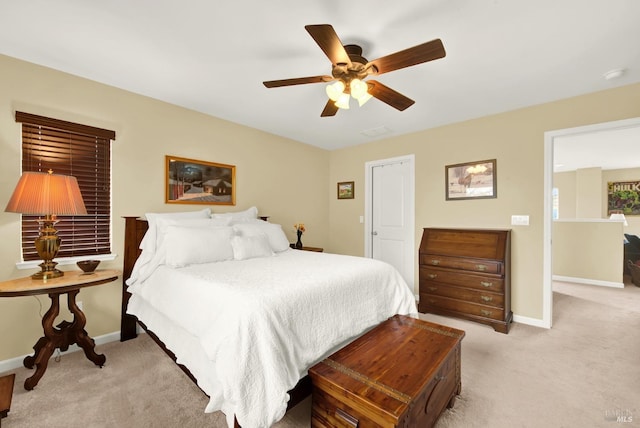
(297, 81)
(330, 109)
(389, 96)
(406, 58)
(326, 37)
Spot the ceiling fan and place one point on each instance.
(350, 69)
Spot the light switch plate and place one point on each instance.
(520, 220)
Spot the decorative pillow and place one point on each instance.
(275, 235)
(149, 242)
(238, 216)
(248, 247)
(186, 246)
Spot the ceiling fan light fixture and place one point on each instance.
(364, 98)
(343, 101)
(335, 90)
(358, 88)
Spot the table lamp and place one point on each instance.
(618, 216)
(47, 194)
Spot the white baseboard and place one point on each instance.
(14, 363)
(588, 281)
(535, 322)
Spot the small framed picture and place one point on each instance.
(471, 180)
(346, 190)
(190, 181)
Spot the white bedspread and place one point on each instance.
(265, 321)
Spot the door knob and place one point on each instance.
(374, 233)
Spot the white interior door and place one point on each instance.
(390, 225)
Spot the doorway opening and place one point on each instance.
(549, 138)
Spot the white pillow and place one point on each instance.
(149, 242)
(185, 246)
(275, 235)
(248, 247)
(239, 216)
(197, 223)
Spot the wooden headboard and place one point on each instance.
(134, 231)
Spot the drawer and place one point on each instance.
(472, 265)
(462, 307)
(480, 282)
(429, 288)
(326, 411)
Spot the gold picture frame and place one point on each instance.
(346, 190)
(471, 180)
(191, 181)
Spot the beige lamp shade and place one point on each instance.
(48, 195)
(619, 217)
(42, 193)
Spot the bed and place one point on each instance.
(243, 314)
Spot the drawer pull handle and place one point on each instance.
(481, 267)
(486, 284)
(435, 262)
(432, 288)
(347, 418)
(432, 276)
(486, 313)
(486, 298)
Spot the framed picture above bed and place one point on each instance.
(471, 180)
(190, 181)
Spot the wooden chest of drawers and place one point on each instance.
(403, 373)
(466, 273)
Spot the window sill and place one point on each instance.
(32, 264)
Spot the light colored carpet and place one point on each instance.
(584, 372)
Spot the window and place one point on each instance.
(556, 203)
(70, 149)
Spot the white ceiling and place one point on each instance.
(609, 149)
(212, 56)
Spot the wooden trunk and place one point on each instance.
(6, 392)
(403, 373)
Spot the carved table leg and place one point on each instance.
(45, 346)
(79, 334)
(62, 337)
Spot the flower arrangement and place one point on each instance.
(299, 227)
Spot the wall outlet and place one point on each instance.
(520, 220)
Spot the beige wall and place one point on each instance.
(285, 179)
(589, 250)
(290, 181)
(588, 194)
(516, 140)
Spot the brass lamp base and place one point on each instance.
(47, 273)
(47, 245)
